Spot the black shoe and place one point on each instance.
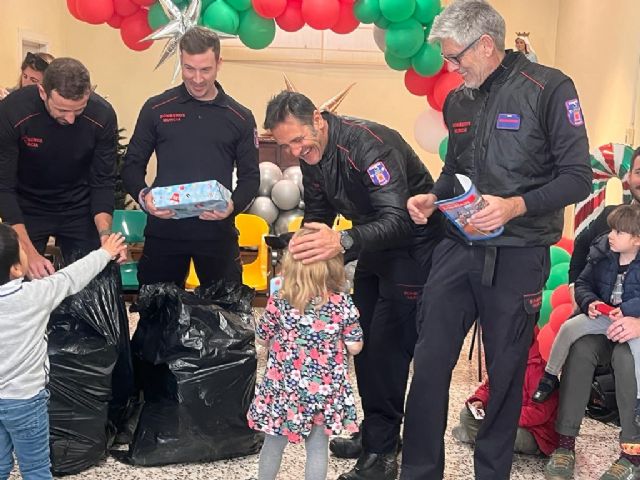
(373, 466)
(347, 447)
(548, 384)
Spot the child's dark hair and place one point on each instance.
(626, 219)
(9, 251)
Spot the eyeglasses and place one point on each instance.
(455, 59)
(36, 61)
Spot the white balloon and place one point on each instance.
(378, 37)
(295, 175)
(270, 174)
(285, 194)
(429, 130)
(264, 207)
(282, 223)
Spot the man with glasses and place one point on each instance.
(366, 172)
(58, 144)
(517, 130)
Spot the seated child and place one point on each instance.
(536, 433)
(24, 313)
(610, 279)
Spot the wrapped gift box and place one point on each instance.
(191, 199)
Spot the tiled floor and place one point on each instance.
(596, 448)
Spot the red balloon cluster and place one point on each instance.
(292, 15)
(129, 16)
(435, 88)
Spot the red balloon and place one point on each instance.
(348, 2)
(135, 28)
(321, 14)
(446, 82)
(145, 3)
(115, 21)
(559, 315)
(432, 103)
(347, 21)
(269, 8)
(291, 19)
(560, 295)
(545, 341)
(417, 84)
(73, 9)
(95, 11)
(125, 8)
(566, 244)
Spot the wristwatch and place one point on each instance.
(104, 232)
(346, 240)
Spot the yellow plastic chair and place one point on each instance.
(295, 224)
(252, 230)
(342, 223)
(192, 279)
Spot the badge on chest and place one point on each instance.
(508, 121)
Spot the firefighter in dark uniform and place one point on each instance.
(58, 145)
(516, 129)
(198, 133)
(366, 172)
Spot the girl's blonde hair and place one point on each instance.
(305, 282)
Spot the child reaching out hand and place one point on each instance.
(309, 326)
(24, 313)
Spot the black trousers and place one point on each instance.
(585, 355)
(167, 260)
(454, 296)
(387, 286)
(74, 233)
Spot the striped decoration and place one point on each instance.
(608, 161)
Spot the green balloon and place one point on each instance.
(428, 60)
(382, 22)
(426, 10)
(404, 39)
(559, 275)
(240, 5)
(397, 10)
(396, 63)
(256, 32)
(559, 255)
(205, 4)
(367, 11)
(220, 16)
(156, 17)
(545, 309)
(443, 148)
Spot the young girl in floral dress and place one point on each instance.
(310, 326)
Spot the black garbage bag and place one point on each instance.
(84, 334)
(195, 359)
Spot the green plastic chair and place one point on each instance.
(131, 224)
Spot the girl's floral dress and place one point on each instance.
(305, 382)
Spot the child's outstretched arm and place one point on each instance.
(70, 280)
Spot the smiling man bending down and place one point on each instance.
(366, 172)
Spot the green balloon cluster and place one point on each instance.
(545, 309)
(407, 24)
(235, 17)
(559, 274)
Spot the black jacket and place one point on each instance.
(598, 278)
(520, 134)
(367, 173)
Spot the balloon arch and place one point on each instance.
(400, 31)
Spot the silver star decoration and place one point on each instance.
(179, 23)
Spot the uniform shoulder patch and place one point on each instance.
(574, 112)
(379, 174)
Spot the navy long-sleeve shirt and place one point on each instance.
(194, 141)
(51, 169)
